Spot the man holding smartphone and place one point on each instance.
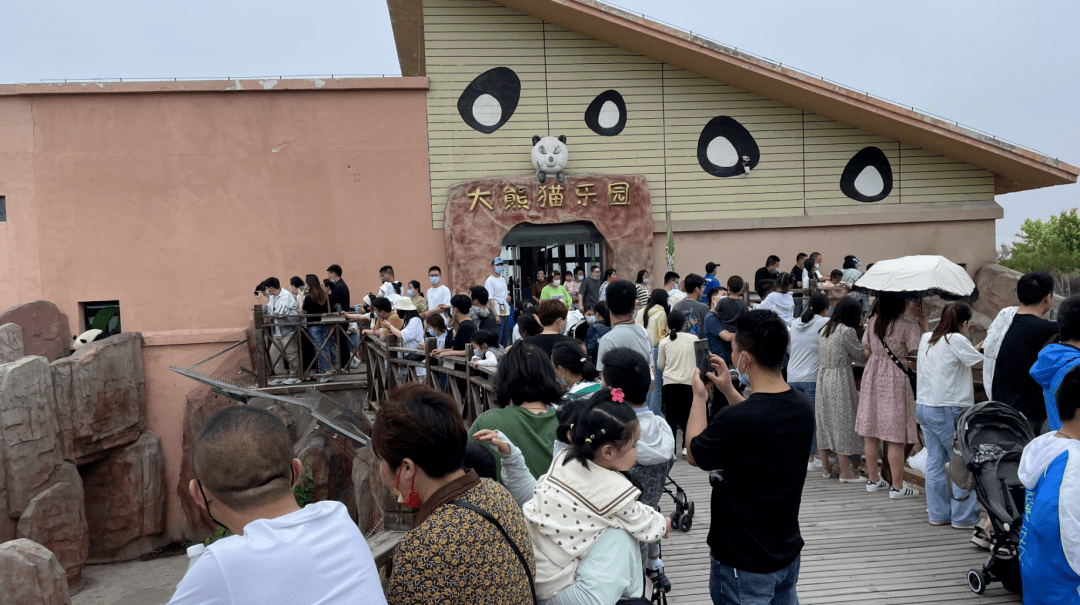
(760, 445)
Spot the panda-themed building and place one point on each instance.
(169, 201)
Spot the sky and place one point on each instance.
(1008, 68)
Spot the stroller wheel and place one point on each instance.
(690, 510)
(676, 517)
(976, 581)
(685, 523)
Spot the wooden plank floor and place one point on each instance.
(860, 548)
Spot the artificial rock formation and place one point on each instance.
(45, 329)
(997, 289)
(30, 446)
(31, 575)
(11, 343)
(56, 519)
(202, 403)
(100, 396)
(125, 500)
(331, 462)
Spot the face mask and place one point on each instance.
(817, 266)
(434, 279)
(431, 331)
(498, 269)
(675, 288)
(556, 282)
(645, 281)
(581, 278)
(410, 293)
(591, 319)
(743, 377)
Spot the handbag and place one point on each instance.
(517, 551)
(903, 368)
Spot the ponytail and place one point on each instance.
(951, 318)
(676, 321)
(818, 303)
(570, 356)
(602, 421)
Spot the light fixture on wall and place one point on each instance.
(745, 163)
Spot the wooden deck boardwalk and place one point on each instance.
(860, 548)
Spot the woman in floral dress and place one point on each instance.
(837, 399)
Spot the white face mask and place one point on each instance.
(410, 293)
(591, 319)
(645, 280)
(581, 278)
(434, 279)
(556, 282)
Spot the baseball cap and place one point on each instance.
(497, 261)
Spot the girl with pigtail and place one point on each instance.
(587, 491)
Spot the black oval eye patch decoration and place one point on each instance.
(725, 148)
(867, 176)
(490, 100)
(606, 115)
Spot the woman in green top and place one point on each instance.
(574, 371)
(557, 291)
(417, 297)
(527, 392)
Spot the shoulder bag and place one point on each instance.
(903, 368)
(517, 551)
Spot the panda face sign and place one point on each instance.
(549, 157)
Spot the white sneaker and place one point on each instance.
(326, 379)
(684, 452)
(873, 487)
(906, 492)
(816, 464)
(292, 381)
(275, 382)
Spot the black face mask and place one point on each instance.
(206, 503)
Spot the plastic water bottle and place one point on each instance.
(194, 552)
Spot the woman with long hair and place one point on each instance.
(317, 302)
(574, 371)
(886, 402)
(837, 403)
(653, 317)
(678, 361)
(802, 369)
(527, 393)
(416, 295)
(945, 390)
(642, 287)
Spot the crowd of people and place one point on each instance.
(553, 496)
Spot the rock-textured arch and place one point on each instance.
(480, 213)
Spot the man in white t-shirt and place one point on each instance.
(438, 296)
(499, 301)
(245, 475)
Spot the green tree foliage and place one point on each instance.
(1053, 245)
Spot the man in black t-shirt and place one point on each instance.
(1020, 347)
(772, 265)
(760, 446)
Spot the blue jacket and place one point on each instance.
(1050, 536)
(1049, 370)
(710, 283)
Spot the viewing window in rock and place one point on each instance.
(3, 209)
(102, 315)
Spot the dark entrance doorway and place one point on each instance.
(527, 248)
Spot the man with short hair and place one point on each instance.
(710, 281)
(244, 478)
(728, 312)
(769, 271)
(498, 302)
(480, 312)
(694, 311)
(285, 345)
(589, 292)
(797, 280)
(1058, 359)
(1019, 348)
(438, 296)
(760, 448)
(386, 283)
(671, 284)
(1050, 534)
(540, 283)
(339, 298)
(625, 332)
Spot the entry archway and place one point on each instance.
(479, 214)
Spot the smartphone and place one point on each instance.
(704, 359)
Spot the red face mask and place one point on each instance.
(412, 500)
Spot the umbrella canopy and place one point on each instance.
(918, 276)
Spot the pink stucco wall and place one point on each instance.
(178, 203)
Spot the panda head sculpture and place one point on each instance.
(549, 156)
(85, 338)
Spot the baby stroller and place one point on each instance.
(990, 437)
(683, 516)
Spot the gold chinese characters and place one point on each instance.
(516, 197)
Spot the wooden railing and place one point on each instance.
(266, 347)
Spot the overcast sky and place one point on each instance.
(1008, 68)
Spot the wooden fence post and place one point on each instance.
(260, 348)
(429, 345)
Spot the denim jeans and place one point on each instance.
(730, 586)
(810, 390)
(322, 351)
(655, 400)
(505, 330)
(939, 428)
